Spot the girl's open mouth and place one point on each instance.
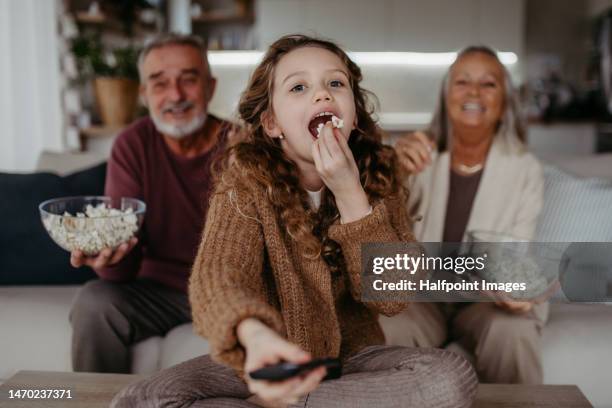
(317, 123)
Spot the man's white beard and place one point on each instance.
(179, 131)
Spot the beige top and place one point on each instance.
(508, 200)
(248, 266)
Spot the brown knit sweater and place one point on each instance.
(248, 266)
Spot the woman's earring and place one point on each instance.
(281, 136)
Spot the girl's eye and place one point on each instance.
(489, 85)
(336, 84)
(297, 88)
(461, 82)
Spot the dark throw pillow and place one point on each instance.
(28, 256)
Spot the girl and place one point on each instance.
(277, 275)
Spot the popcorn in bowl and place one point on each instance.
(91, 224)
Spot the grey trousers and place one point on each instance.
(108, 318)
(506, 346)
(378, 376)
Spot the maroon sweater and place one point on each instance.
(176, 191)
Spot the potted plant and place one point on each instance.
(115, 78)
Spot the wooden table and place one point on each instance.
(97, 390)
(88, 390)
(528, 396)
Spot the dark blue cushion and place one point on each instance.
(28, 256)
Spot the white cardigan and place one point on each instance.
(508, 200)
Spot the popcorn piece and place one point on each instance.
(336, 122)
(320, 128)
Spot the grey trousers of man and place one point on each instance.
(108, 318)
(506, 346)
(378, 376)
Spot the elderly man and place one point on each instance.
(163, 160)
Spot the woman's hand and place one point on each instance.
(265, 347)
(106, 257)
(505, 302)
(337, 168)
(514, 306)
(414, 152)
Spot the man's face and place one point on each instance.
(176, 87)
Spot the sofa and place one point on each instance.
(36, 334)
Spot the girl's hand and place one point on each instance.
(265, 347)
(414, 152)
(337, 168)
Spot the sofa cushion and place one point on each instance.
(575, 209)
(181, 344)
(145, 355)
(36, 332)
(576, 349)
(28, 256)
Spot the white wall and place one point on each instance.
(404, 92)
(30, 104)
(407, 93)
(7, 158)
(397, 25)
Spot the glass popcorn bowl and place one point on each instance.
(513, 259)
(91, 223)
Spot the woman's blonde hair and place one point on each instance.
(261, 159)
(511, 127)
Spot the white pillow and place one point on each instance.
(579, 210)
(575, 209)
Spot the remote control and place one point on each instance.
(283, 371)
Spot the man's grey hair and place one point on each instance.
(169, 39)
(511, 127)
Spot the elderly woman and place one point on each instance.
(471, 171)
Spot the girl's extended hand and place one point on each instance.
(265, 347)
(337, 168)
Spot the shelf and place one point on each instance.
(101, 130)
(222, 19)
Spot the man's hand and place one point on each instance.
(106, 257)
(265, 347)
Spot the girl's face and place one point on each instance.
(475, 96)
(308, 81)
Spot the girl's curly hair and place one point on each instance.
(261, 158)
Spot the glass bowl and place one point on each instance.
(518, 260)
(91, 223)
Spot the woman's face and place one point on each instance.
(475, 98)
(309, 82)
